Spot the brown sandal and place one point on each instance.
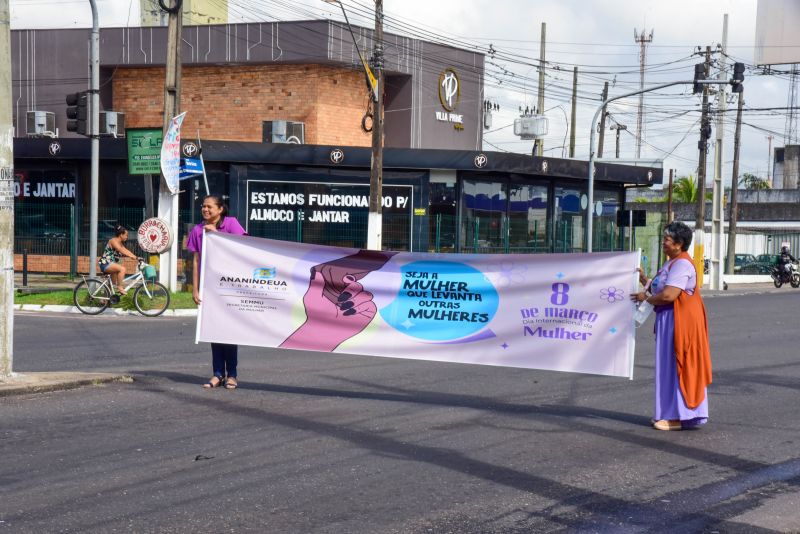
(212, 384)
(231, 383)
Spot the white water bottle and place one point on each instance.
(643, 311)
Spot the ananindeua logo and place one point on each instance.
(265, 273)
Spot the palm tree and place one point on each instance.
(753, 182)
(685, 189)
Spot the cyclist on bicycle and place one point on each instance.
(110, 259)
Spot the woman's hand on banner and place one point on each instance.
(329, 323)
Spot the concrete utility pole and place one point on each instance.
(375, 221)
(574, 112)
(769, 160)
(618, 127)
(6, 198)
(94, 91)
(167, 202)
(540, 101)
(700, 219)
(602, 126)
(642, 40)
(718, 192)
(734, 188)
(669, 197)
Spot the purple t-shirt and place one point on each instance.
(677, 273)
(195, 241)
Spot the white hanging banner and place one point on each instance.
(562, 312)
(171, 154)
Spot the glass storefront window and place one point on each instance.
(569, 219)
(483, 217)
(527, 219)
(442, 217)
(605, 231)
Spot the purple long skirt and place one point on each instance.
(669, 403)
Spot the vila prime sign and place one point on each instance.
(562, 312)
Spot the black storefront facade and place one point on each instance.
(434, 200)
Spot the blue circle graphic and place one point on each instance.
(441, 301)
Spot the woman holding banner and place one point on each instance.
(224, 357)
(683, 360)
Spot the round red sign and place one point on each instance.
(154, 235)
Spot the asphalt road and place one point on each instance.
(344, 444)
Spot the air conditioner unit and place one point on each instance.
(40, 124)
(531, 126)
(284, 132)
(112, 123)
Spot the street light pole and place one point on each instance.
(618, 127)
(590, 193)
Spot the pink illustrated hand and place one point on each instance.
(329, 323)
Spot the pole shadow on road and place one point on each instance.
(692, 508)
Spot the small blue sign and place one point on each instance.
(191, 167)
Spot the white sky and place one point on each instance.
(596, 35)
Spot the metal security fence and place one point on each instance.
(349, 229)
(55, 237)
(505, 235)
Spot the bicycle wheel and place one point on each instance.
(151, 298)
(91, 296)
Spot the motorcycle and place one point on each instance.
(782, 276)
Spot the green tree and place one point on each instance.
(684, 189)
(752, 182)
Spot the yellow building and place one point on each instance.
(195, 12)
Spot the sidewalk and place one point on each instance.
(43, 283)
(21, 383)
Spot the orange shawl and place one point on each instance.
(691, 345)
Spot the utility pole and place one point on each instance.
(700, 219)
(6, 198)
(642, 40)
(669, 197)
(769, 160)
(718, 191)
(618, 127)
(734, 188)
(602, 123)
(540, 101)
(375, 221)
(168, 202)
(574, 112)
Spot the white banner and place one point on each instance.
(171, 153)
(562, 312)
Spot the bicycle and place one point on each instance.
(151, 298)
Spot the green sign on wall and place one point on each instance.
(144, 150)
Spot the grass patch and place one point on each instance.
(180, 300)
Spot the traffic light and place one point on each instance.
(699, 75)
(738, 78)
(78, 113)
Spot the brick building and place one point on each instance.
(238, 77)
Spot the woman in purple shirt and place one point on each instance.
(224, 357)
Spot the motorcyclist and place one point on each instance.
(786, 260)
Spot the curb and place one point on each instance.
(22, 383)
(56, 308)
